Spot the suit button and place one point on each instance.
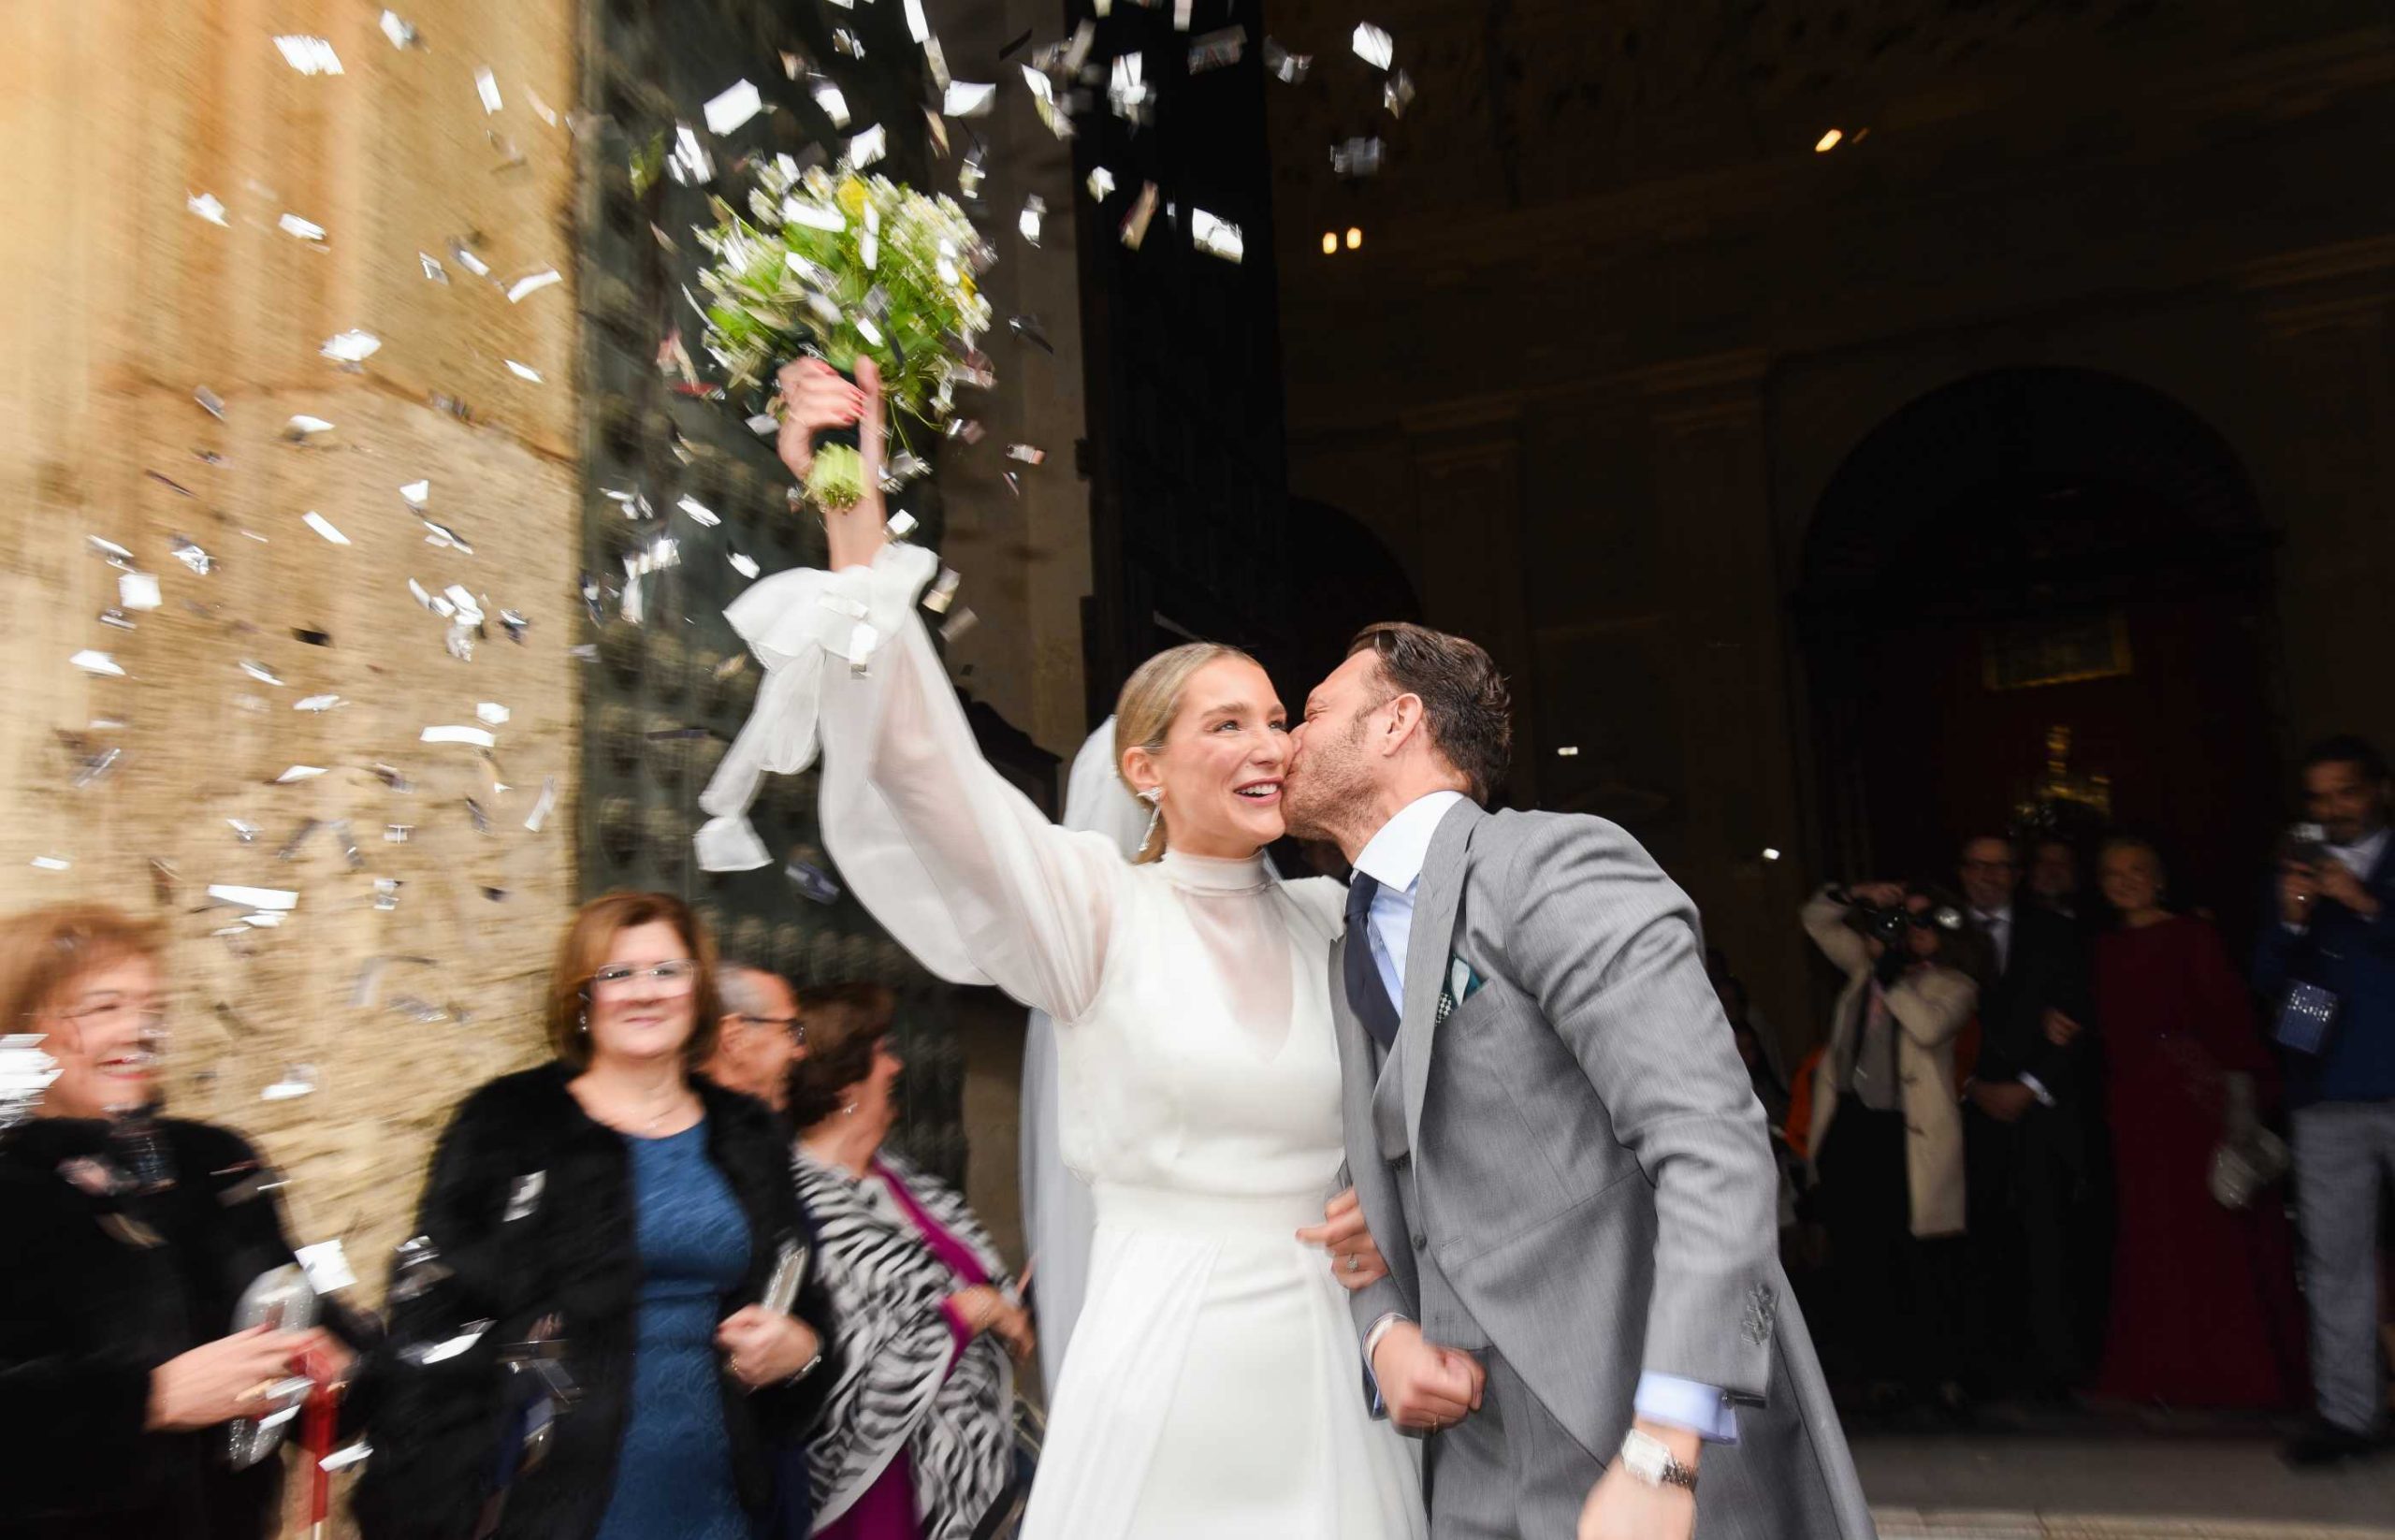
(1421, 1241)
(1401, 1163)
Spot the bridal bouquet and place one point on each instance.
(847, 266)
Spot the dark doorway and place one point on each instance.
(2038, 595)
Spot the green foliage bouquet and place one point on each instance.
(847, 267)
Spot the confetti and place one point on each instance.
(464, 257)
(735, 105)
(531, 284)
(492, 713)
(965, 99)
(1100, 183)
(299, 773)
(835, 106)
(191, 556)
(1127, 89)
(278, 900)
(1215, 236)
(351, 347)
(92, 662)
(1135, 224)
(1035, 209)
(170, 484)
(309, 55)
(1287, 67)
(52, 863)
(689, 163)
(361, 1451)
(543, 803)
(867, 148)
(302, 426)
(478, 737)
(137, 592)
(260, 673)
(1397, 93)
(318, 703)
(433, 268)
(486, 87)
(699, 511)
(387, 889)
(745, 566)
(1027, 453)
(1218, 50)
(1373, 46)
(516, 626)
(244, 832)
(110, 552)
(208, 208)
(304, 229)
(298, 1080)
(209, 403)
(1357, 157)
(324, 527)
(401, 33)
(523, 372)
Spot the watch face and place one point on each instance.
(1646, 1459)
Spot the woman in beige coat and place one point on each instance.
(1887, 1136)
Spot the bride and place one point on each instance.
(1213, 1388)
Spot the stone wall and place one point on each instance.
(128, 310)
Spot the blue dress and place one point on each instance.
(673, 1474)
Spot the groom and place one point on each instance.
(1553, 1142)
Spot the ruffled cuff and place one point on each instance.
(798, 624)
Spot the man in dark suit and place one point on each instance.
(2028, 1127)
(2332, 938)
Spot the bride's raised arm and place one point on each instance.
(960, 867)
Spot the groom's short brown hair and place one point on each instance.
(1464, 698)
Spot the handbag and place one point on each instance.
(2249, 1157)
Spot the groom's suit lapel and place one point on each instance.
(1436, 894)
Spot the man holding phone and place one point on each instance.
(2330, 958)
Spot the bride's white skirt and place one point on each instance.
(1213, 1387)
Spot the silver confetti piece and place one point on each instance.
(543, 803)
(308, 55)
(486, 87)
(1373, 44)
(209, 403)
(324, 527)
(91, 661)
(298, 1080)
(1216, 50)
(965, 99)
(421, 1354)
(1143, 208)
(208, 206)
(524, 1196)
(351, 347)
(1287, 67)
(1027, 453)
(531, 284)
(305, 230)
(733, 105)
(187, 552)
(1035, 209)
(137, 592)
(387, 889)
(1357, 157)
(958, 624)
(433, 268)
(402, 34)
(1215, 236)
(1397, 93)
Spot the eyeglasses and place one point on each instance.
(678, 977)
(792, 1025)
(147, 1015)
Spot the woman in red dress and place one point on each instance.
(2204, 1308)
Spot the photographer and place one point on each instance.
(1886, 1135)
(2330, 953)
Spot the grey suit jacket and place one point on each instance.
(1572, 1167)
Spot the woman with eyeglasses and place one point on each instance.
(130, 1239)
(581, 1347)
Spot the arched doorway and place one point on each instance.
(2042, 587)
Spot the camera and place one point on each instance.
(1887, 924)
(2305, 845)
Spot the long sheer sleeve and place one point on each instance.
(961, 868)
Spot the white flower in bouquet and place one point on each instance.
(847, 266)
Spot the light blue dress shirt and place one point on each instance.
(1394, 859)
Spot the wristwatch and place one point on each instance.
(1651, 1462)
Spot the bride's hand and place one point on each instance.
(1355, 1259)
(856, 535)
(814, 397)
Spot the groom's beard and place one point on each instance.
(1323, 792)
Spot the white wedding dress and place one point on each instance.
(1212, 1389)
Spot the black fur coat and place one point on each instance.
(530, 1214)
(106, 1277)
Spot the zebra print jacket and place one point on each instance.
(903, 1382)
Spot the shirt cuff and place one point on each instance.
(2037, 1088)
(1366, 1344)
(1700, 1409)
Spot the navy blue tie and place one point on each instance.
(1365, 994)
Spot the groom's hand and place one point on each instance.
(1622, 1507)
(1355, 1259)
(1425, 1387)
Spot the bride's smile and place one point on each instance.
(1218, 776)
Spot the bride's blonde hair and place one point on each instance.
(1144, 714)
